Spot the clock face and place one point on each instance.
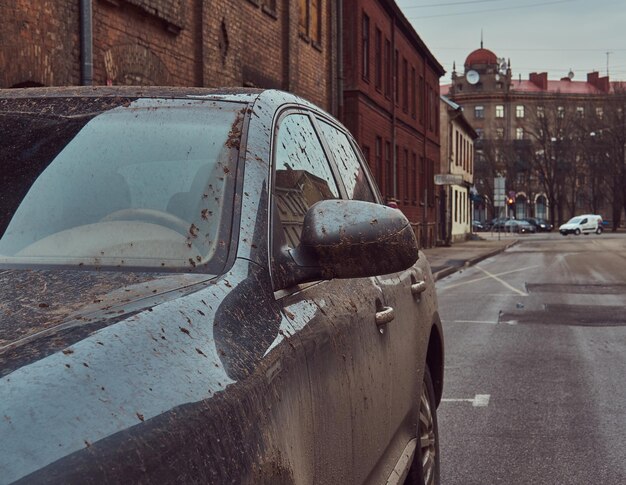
(472, 76)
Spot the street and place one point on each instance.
(535, 364)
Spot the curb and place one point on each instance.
(471, 262)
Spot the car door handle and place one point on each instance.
(384, 316)
(418, 288)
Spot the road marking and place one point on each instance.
(463, 283)
(476, 321)
(479, 400)
(512, 288)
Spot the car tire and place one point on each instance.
(577, 232)
(425, 467)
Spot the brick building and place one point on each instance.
(519, 120)
(262, 43)
(391, 105)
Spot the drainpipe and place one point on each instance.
(340, 60)
(395, 61)
(86, 42)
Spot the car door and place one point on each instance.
(585, 225)
(401, 333)
(346, 352)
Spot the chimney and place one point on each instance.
(540, 80)
(600, 83)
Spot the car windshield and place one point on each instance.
(146, 183)
(575, 220)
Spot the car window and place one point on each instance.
(144, 184)
(584, 221)
(303, 175)
(347, 161)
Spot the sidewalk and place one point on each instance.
(447, 260)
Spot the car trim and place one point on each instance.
(401, 470)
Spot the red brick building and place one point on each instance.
(391, 105)
(377, 76)
(265, 43)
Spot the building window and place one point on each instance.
(396, 74)
(414, 179)
(378, 166)
(599, 113)
(413, 93)
(499, 111)
(479, 112)
(405, 86)
(388, 170)
(480, 133)
(378, 59)
(580, 111)
(310, 22)
(540, 112)
(365, 48)
(387, 68)
(407, 195)
(420, 100)
(560, 111)
(500, 133)
(519, 111)
(519, 133)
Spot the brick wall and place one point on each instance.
(171, 42)
(394, 112)
(39, 42)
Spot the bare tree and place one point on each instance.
(555, 153)
(614, 132)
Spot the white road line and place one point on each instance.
(479, 400)
(476, 321)
(463, 283)
(512, 288)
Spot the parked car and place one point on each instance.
(541, 225)
(498, 224)
(584, 224)
(203, 286)
(478, 226)
(519, 226)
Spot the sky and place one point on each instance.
(553, 36)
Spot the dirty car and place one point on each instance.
(202, 286)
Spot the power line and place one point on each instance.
(490, 10)
(538, 49)
(448, 4)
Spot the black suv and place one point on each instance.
(203, 286)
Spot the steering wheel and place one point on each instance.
(154, 217)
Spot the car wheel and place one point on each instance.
(425, 467)
(599, 230)
(577, 232)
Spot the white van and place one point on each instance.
(586, 224)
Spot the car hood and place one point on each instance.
(51, 309)
(568, 226)
(110, 367)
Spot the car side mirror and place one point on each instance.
(349, 239)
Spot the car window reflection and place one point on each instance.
(303, 175)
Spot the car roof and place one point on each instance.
(271, 98)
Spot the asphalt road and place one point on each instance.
(535, 389)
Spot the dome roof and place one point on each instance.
(481, 56)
